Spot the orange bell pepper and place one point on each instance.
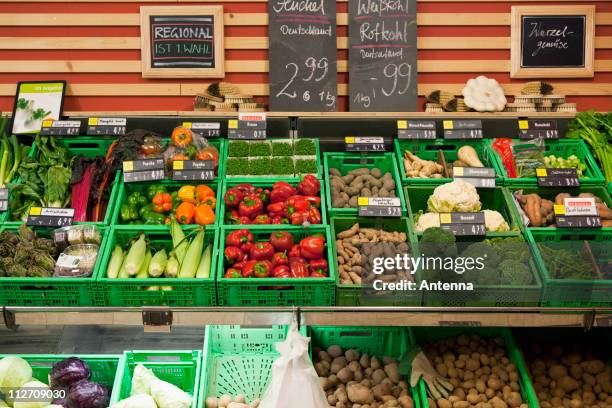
(204, 215)
(209, 201)
(185, 212)
(187, 194)
(202, 191)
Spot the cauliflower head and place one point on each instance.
(495, 222)
(427, 220)
(457, 196)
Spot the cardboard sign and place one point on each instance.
(106, 126)
(480, 177)
(557, 177)
(50, 217)
(531, 129)
(577, 213)
(462, 129)
(416, 129)
(205, 129)
(60, 128)
(364, 144)
(379, 207)
(464, 224)
(143, 170)
(193, 170)
(249, 126)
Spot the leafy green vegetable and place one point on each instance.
(260, 166)
(57, 184)
(306, 166)
(238, 148)
(281, 149)
(567, 263)
(259, 149)
(514, 272)
(237, 166)
(282, 166)
(596, 130)
(305, 147)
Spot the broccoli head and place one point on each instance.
(488, 276)
(515, 272)
(491, 256)
(438, 242)
(512, 248)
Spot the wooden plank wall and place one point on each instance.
(95, 46)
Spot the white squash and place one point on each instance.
(484, 95)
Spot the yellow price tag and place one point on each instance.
(541, 173)
(187, 125)
(232, 124)
(363, 201)
(448, 125)
(178, 165)
(402, 124)
(128, 166)
(35, 210)
(445, 218)
(349, 139)
(92, 122)
(458, 171)
(523, 124)
(47, 123)
(559, 209)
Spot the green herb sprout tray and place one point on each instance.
(425, 335)
(52, 291)
(181, 368)
(353, 295)
(89, 147)
(103, 367)
(135, 292)
(497, 199)
(562, 148)
(238, 360)
(575, 292)
(276, 291)
(429, 150)
(381, 342)
(266, 184)
(128, 188)
(346, 162)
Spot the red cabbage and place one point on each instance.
(87, 394)
(68, 371)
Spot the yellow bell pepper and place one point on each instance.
(187, 194)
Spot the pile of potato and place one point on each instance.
(571, 379)
(481, 373)
(227, 401)
(357, 183)
(354, 380)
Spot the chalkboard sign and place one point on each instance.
(302, 55)
(182, 41)
(382, 56)
(552, 41)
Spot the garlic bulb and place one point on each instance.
(484, 95)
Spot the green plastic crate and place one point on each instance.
(393, 342)
(346, 162)
(265, 184)
(276, 291)
(89, 147)
(425, 335)
(181, 368)
(351, 295)
(128, 188)
(53, 291)
(247, 178)
(575, 292)
(488, 295)
(428, 150)
(497, 199)
(560, 148)
(131, 291)
(238, 360)
(550, 193)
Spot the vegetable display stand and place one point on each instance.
(144, 214)
(346, 162)
(575, 266)
(89, 147)
(289, 159)
(364, 295)
(426, 335)
(53, 291)
(238, 361)
(135, 292)
(181, 368)
(429, 150)
(265, 184)
(562, 148)
(380, 342)
(497, 199)
(270, 291)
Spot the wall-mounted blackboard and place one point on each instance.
(552, 41)
(303, 74)
(382, 56)
(182, 41)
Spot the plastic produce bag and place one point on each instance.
(294, 382)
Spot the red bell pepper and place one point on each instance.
(314, 216)
(246, 247)
(280, 258)
(298, 268)
(319, 266)
(232, 273)
(244, 220)
(277, 209)
(232, 217)
(250, 206)
(248, 268)
(262, 250)
(232, 197)
(239, 237)
(294, 252)
(297, 203)
(233, 254)
(314, 201)
(281, 191)
(262, 269)
(318, 275)
(281, 271)
(239, 265)
(263, 194)
(299, 218)
(246, 188)
(276, 219)
(312, 247)
(282, 240)
(262, 219)
(309, 186)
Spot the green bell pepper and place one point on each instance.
(153, 218)
(137, 199)
(154, 189)
(128, 212)
(176, 201)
